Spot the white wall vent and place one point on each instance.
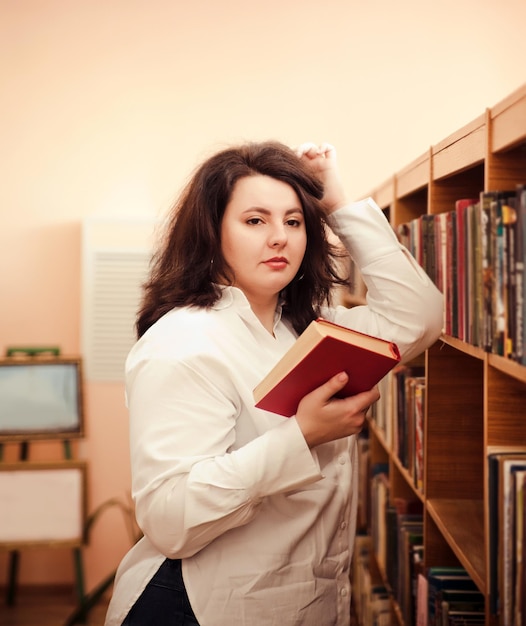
(115, 263)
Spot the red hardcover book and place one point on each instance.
(320, 352)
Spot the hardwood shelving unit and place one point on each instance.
(474, 400)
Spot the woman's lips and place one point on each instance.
(277, 263)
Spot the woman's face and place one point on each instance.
(263, 236)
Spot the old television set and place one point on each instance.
(40, 398)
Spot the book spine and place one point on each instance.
(487, 269)
(520, 253)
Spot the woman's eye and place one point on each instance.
(293, 222)
(254, 220)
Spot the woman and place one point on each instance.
(249, 517)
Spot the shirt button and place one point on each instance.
(343, 525)
(342, 459)
(343, 592)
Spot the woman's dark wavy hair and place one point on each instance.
(189, 267)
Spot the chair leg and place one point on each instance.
(79, 577)
(14, 558)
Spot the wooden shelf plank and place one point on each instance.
(413, 177)
(507, 366)
(463, 347)
(505, 412)
(385, 194)
(511, 368)
(508, 121)
(461, 150)
(379, 434)
(462, 524)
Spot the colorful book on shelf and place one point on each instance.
(320, 352)
(361, 575)
(461, 208)
(520, 261)
(422, 615)
(379, 506)
(379, 605)
(451, 321)
(486, 200)
(515, 227)
(404, 376)
(510, 275)
(519, 608)
(415, 422)
(428, 237)
(410, 542)
(474, 274)
(502, 216)
(391, 548)
(461, 606)
(445, 578)
(441, 258)
(397, 512)
(463, 599)
(502, 463)
(509, 467)
(364, 463)
(419, 400)
(381, 412)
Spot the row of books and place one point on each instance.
(363, 519)
(475, 254)
(447, 596)
(400, 415)
(370, 597)
(440, 596)
(397, 541)
(396, 535)
(507, 531)
(409, 392)
(435, 596)
(381, 411)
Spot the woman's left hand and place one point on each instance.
(323, 162)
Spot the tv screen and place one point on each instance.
(40, 398)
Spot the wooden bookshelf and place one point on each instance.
(475, 400)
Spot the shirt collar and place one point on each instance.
(233, 297)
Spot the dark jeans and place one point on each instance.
(164, 601)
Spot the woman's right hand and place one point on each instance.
(322, 161)
(322, 417)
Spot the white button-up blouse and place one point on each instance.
(263, 524)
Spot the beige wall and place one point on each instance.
(107, 106)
